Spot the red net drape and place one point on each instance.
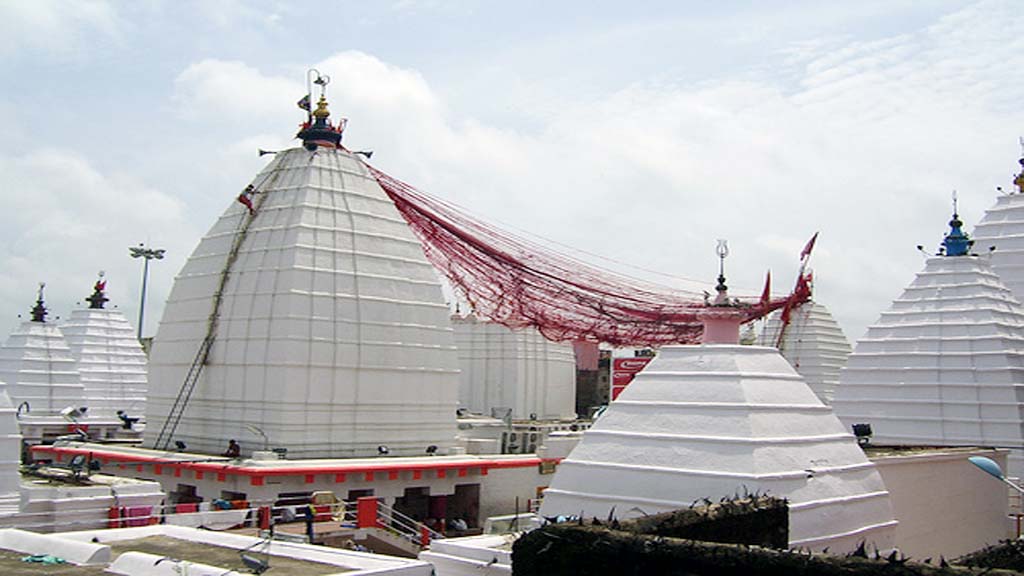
(520, 284)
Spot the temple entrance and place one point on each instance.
(414, 503)
(464, 505)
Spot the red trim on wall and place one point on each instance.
(257, 475)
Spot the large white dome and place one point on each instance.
(715, 420)
(332, 333)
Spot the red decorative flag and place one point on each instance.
(810, 246)
(766, 294)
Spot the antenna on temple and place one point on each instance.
(955, 211)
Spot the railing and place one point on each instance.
(367, 512)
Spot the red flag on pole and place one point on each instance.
(766, 294)
(810, 246)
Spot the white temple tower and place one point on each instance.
(327, 327)
(717, 420)
(814, 345)
(944, 365)
(110, 358)
(1000, 234)
(36, 365)
(514, 369)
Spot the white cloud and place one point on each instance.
(866, 150)
(54, 26)
(64, 221)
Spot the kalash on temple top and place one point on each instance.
(318, 130)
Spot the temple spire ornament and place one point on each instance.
(956, 243)
(722, 299)
(318, 130)
(39, 310)
(98, 298)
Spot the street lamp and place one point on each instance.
(990, 467)
(141, 251)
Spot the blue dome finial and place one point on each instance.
(956, 243)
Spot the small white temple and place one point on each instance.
(943, 366)
(1000, 234)
(718, 420)
(110, 358)
(307, 319)
(41, 376)
(518, 370)
(813, 343)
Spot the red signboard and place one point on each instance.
(623, 371)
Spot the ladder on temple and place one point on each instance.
(170, 425)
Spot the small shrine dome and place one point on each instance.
(720, 420)
(110, 358)
(37, 366)
(942, 366)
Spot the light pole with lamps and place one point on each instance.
(148, 254)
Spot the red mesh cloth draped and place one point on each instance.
(520, 284)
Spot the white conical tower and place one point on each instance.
(813, 343)
(330, 335)
(719, 419)
(944, 365)
(1000, 234)
(110, 358)
(517, 369)
(37, 367)
(10, 457)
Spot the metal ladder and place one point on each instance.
(170, 425)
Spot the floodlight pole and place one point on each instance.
(991, 468)
(147, 254)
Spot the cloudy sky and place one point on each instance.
(634, 132)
